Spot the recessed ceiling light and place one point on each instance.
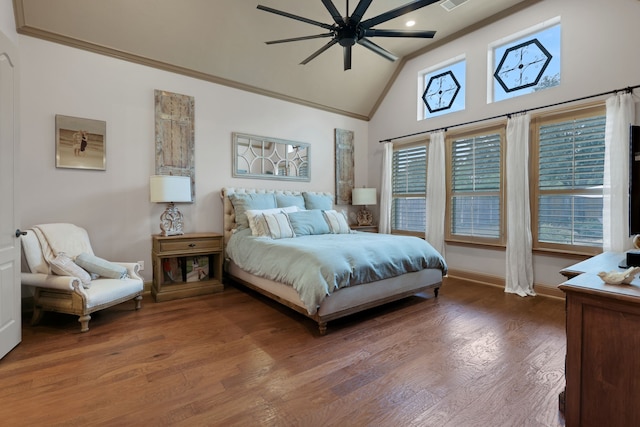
(410, 23)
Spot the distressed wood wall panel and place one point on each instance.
(344, 166)
(175, 142)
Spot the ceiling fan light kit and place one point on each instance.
(351, 30)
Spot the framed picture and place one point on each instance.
(81, 143)
(197, 268)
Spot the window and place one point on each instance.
(567, 205)
(409, 188)
(475, 187)
(525, 62)
(442, 89)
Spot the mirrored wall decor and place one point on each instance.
(271, 158)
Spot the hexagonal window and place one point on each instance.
(441, 91)
(442, 88)
(522, 65)
(528, 63)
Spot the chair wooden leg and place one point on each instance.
(37, 315)
(138, 301)
(84, 322)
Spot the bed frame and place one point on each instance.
(341, 303)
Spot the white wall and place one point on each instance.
(114, 204)
(599, 53)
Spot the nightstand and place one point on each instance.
(186, 265)
(367, 228)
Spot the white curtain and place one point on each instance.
(615, 209)
(385, 189)
(436, 192)
(519, 268)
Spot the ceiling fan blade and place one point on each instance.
(347, 57)
(296, 17)
(333, 11)
(359, 11)
(295, 39)
(377, 49)
(399, 33)
(319, 51)
(399, 11)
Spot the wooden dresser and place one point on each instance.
(603, 348)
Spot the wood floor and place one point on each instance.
(474, 356)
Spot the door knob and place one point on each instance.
(20, 233)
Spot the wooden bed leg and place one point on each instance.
(322, 326)
(435, 292)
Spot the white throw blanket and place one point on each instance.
(61, 237)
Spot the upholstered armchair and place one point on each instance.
(52, 258)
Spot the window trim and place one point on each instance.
(496, 128)
(591, 109)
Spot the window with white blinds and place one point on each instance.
(409, 188)
(476, 188)
(570, 178)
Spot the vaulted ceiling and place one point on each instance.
(223, 41)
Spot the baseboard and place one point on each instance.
(490, 280)
(146, 291)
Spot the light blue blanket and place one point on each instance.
(317, 265)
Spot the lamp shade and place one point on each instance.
(170, 188)
(363, 196)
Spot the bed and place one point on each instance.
(315, 272)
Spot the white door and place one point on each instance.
(10, 297)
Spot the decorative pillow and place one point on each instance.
(256, 219)
(62, 265)
(278, 225)
(310, 222)
(244, 201)
(318, 201)
(101, 267)
(290, 200)
(337, 222)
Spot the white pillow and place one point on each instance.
(278, 225)
(256, 220)
(337, 222)
(62, 265)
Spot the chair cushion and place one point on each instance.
(101, 267)
(105, 291)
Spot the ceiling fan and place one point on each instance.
(349, 30)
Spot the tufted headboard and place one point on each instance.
(229, 214)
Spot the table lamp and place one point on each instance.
(170, 189)
(363, 197)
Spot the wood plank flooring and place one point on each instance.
(474, 356)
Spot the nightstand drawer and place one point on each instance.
(191, 245)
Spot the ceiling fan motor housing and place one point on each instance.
(348, 35)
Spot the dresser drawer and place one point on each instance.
(203, 244)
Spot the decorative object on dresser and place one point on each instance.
(619, 277)
(170, 189)
(186, 265)
(68, 278)
(363, 197)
